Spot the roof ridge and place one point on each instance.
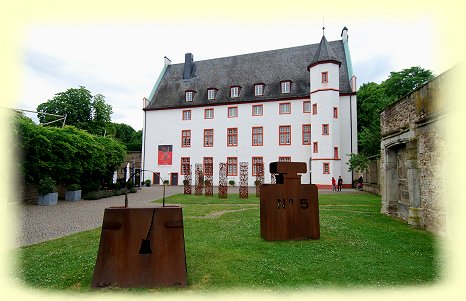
(259, 52)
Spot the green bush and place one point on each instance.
(147, 182)
(74, 187)
(46, 185)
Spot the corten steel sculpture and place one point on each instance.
(141, 247)
(199, 179)
(289, 210)
(243, 180)
(187, 181)
(259, 178)
(208, 172)
(222, 181)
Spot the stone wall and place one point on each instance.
(414, 125)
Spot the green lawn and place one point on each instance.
(359, 247)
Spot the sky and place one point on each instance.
(123, 59)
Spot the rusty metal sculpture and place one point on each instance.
(273, 179)
(187, 181)
(259, 178)
(208, 172)
(289, 210)
(222, 181)
(243, 180)
(199, 179)
(141, 247)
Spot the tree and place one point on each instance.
(82, 110)
(373, 98)
(128, 136)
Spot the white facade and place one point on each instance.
(164, 127)
(329, 108)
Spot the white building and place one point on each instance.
(296, 104)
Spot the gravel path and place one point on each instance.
(36, 224)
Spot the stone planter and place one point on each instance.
(49, 199)
(73, 196)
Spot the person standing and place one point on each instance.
(334, 184)
(340, 183)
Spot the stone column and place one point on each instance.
(415, 215)
(390, 183)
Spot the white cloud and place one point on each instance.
(123, 60)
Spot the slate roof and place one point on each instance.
(268, 67)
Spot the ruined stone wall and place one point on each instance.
(398, 116)
(416, 121)
(430, 143)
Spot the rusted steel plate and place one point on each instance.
(125, 233)
(289, 210)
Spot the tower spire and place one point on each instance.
(323, 26)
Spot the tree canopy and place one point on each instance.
(128, 136)
(82, 110)
(373, 98)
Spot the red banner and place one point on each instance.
(165, 154)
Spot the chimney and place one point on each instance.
(344, 34)
(166, 61)
(188, 66)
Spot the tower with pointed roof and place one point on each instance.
(332, 119)
(294, 104)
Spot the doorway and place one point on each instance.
(174, 178)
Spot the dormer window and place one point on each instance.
(234, 91)
(258, 89)
(189, 95)
(211, 94)
(285, 86)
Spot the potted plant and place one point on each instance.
(48, 194)
(232, 183)
(73, 193)
(147, 183)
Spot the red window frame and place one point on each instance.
(214, 90)
(325, 77)
(185, 165)
(233, 162)
(326, 168)
(205, 113)
(314, 109)
(183, 116)
(231, 91)
(262, 110)
(205, 161)
(284, 134)
(232, 135)
(186, 138)
(208, 133)
(256, 160)
(255, 136)
(325, 129)
(335, 112)
(255, 89)
(284, 159)
(304, 106)
(335, 153)
(315, 147)
(306, 134)
(282, 86)
(282, 105)
(231, 116)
